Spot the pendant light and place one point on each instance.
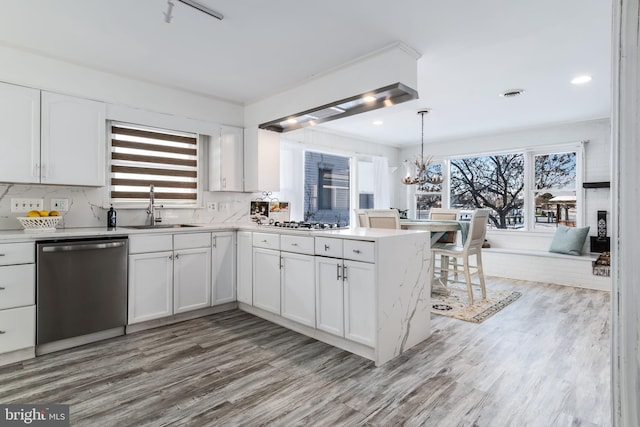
(423, 178)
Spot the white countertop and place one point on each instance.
(7, 236)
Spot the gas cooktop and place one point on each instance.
(304, 226)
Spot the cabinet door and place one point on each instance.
(266, 279)
(329, 295)
(150, 286)
(244, 267)
(298, 288)
(223, 268)
(191, 279)
(19, 134)
(261, 160)
(359, 302)
(226, 160)
(73, 140)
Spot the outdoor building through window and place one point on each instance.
(326, 188)
(141, 157)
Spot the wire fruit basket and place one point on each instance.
(43, 223)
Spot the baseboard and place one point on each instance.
(181, 317)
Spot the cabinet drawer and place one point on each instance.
(17, 328)
(297, 244)
(266, 240)
(326, 246)
(150, 243)
(359, 250)
(17, 286)
(191, 240)
(17, 253)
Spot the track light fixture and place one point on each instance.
(191, 3)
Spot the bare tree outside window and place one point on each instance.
(493, 182)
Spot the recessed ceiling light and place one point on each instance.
(369, 98)
(581, 80)
(292, 121)
(378, 122)
(510, 93)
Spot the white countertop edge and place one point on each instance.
(357, 233)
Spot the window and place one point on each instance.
(495, 182)
(141, 157)
(326, 188)
(554, 190)
(532, 191)
(429, 195)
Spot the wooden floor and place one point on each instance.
(542, 361)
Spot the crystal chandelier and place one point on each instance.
(423, 178)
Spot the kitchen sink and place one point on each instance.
(156, 226)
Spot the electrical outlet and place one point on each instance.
(212, 206)
(60, 205)
(26, 205)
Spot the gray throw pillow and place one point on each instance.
(569, 240)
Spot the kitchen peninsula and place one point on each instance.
(362, 290)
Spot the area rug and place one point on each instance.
(456, 304)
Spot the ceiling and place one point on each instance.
(471, 52)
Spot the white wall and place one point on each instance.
(597, 167)
(129, 100)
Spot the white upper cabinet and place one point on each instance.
(261, 160)
(73, 141)
(226, 160)
(47, 138)
(19, 133)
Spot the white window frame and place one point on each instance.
(529, 184)
(165, 204)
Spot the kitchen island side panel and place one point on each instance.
(404, 294)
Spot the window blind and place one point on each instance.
(141, 157)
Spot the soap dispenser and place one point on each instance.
(111, 218)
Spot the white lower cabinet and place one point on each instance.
(168, 274)
(329, 295)
(150, 286)
(191, 279)
(244, 267)
(345, 295)
(266, 279)
(298, 288)
(328, 284)
(223, 268)
(359, 302)
(17, 328)
(17, 301)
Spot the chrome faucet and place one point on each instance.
(151, 210)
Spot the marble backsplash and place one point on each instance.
(87, 207)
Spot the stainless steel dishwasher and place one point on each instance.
(81, 292)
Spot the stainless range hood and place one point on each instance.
(368, 101)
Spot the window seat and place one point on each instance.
(543, 266)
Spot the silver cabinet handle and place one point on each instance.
(294, 244)
(326, 247)
(170, 256)
(215, 241)
(177, 256)
(2, 332)
(2, 288)
(344, 272)
(356, 251)
(338, 277)
(263, 241)
(2, 254)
